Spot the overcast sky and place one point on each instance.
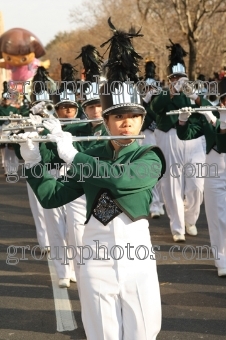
(44, 18)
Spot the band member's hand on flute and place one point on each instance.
(180, 83)
(184, 114)
(34, 120)
(65, 148)
(30, 150)
(53, 125)
(223, 120)
(38, 108)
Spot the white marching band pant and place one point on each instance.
(2, 149)
(10, 161)
(58, 234)
(215, 204)
(182, 190)
(57, 230)
(76, 217)
(39, 219)
(120, 299)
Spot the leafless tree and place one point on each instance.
(191, 16)
(198, 25)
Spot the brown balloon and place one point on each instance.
(18, 41)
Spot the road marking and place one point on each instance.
(64, 315)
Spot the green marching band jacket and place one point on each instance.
(5, 111)
(128, 176)
(149, 118)
(163, 103)
(196, 126)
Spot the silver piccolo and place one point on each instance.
(197, 109)
(26, 118)
(44, 139)
(12, 118)
(25, 125)
(17, 116)
(42, 118)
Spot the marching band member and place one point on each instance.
(192, 127)
(56, 219)
(39, 100)
(182, 193)
(76, 210)
(122, 295)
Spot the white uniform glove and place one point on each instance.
(33, 120)
(184, 114)
(65, 148)
(223, 119)
(180, 83)
(53, 125)
(148, 96)
(209, 116)
(189, 91)
(38, 108)
(30, 150)
(223, 126)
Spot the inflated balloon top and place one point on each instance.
(21, 51)
(18, 41)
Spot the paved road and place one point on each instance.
(193, 296)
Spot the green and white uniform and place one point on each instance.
(115, 221)
(214, 174)
(178, 182)
(65, 225)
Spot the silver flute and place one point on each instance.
(28, 125)
(44, 139)
(15, 119)
(25, 118)
(19, 117)
(197, 109)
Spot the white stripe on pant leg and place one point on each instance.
(64, 314)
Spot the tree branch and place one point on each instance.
(179, 15)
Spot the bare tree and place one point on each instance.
(195, 24)
(192, 15)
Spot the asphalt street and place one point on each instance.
(193, 296)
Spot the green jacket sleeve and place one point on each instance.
(150, 116)
(90, 173)
(220, 141)
(52, 193)
(160, 102)
(137, 175)
(189, 130)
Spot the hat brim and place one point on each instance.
(66, 102)
(90, 102)
(176, 74)
(124, 108)
(39, 101)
